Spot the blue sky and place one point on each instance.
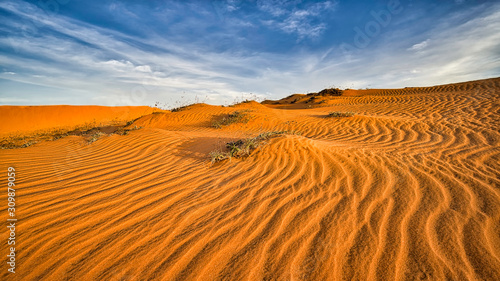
(177, 52)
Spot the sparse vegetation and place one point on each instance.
(181, 104)
(29, 143)
(328, 92)
(218, 155)
(331, 92)
(95, 136)
(245, 98)
(243, 148)
(59, 135)
(91, 131)
(241, 102)
(312, 99)
(340, 114)
(180, 108)
(235, 117)
(21, 141)
(122, 131)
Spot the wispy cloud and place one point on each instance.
(419, 46)
(293, 20)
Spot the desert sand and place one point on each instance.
(406, 189)
(29, 119)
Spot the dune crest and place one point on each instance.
(406, 189)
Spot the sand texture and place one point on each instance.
(406, 189)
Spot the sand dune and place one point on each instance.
(407, 189)
(28, 119)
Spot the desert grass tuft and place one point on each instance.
(95, 136)
(340, 114)
(122, 131)
(241, 102)
(244, 147)
(232, 118)
(180, 108)
(29, 143)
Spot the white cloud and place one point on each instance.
(420, 46)
(232, 5)
(120, 66)
(292, 20)
(143, 68)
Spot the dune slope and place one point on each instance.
(407, 189)
(28, 119)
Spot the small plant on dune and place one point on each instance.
(29, 143)
(267, 135)
(340, 114)
(135, 128)
(122, 131)
(235, 117)
(241, 102)
(95, 136)
(218, 155)
(243, 148)
(245, 98)
(59, 135)
(180, 108)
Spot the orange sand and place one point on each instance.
(26, 119)
(407, 189)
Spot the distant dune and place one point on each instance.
(26, 119)
(406, 189)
